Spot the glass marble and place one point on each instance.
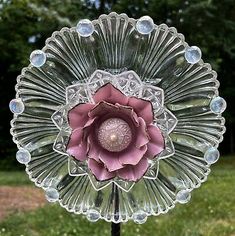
(85, 28)
(145, 25)
(140, 217)
(218, 105)
(93, 215)
(212, 155)
(52, 195)
(16, 106)
(23, 156)
(38, 58)
(183, 196)
(193, 54)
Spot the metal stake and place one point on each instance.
(115, 227)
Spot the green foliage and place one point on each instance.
(22, 19)
(24, 26)
(210, 212)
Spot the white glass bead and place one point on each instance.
(85, 28)
(23, 156)
(193, 54)
(140, 217)
(93, 215)
(52, 195)
(218, 105)
(16, 106)
(38, 58)
(145, 25)
(212, 155)
(183, 196)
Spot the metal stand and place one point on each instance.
(116, 228)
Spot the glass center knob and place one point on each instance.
(114, 134)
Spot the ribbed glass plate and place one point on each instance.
(158, 58)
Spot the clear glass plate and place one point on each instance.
(190, 116)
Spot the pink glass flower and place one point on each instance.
(115, 135)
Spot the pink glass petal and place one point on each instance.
(143, 108)
(94, 149)
(109, 93)
(134, 173)
(133, 155)
(90, 122)
(117, 110)
(76, 147)
(79, 152)
(110, 160)
(156, 143)
(102, 108)
(142, 137)
(78, 116)
(100, 172)
(129, 112)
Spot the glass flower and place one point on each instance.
(117, 118)
(115, 132)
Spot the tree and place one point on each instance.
(24, 26)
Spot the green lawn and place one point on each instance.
(211, 212)
(14, 178)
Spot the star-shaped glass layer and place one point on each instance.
(130, 84)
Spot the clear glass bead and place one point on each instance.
(16, 106)
(140, 217)
(38, 58)
(52, 195)
(85, 28)
(145, 25)
(218, 105)
(212, 155)
(93, 215)
(193, 54)
(23, 156)
(183, 196)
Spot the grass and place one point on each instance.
(210, 212)
(14, 178)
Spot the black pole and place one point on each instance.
(116, 227)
